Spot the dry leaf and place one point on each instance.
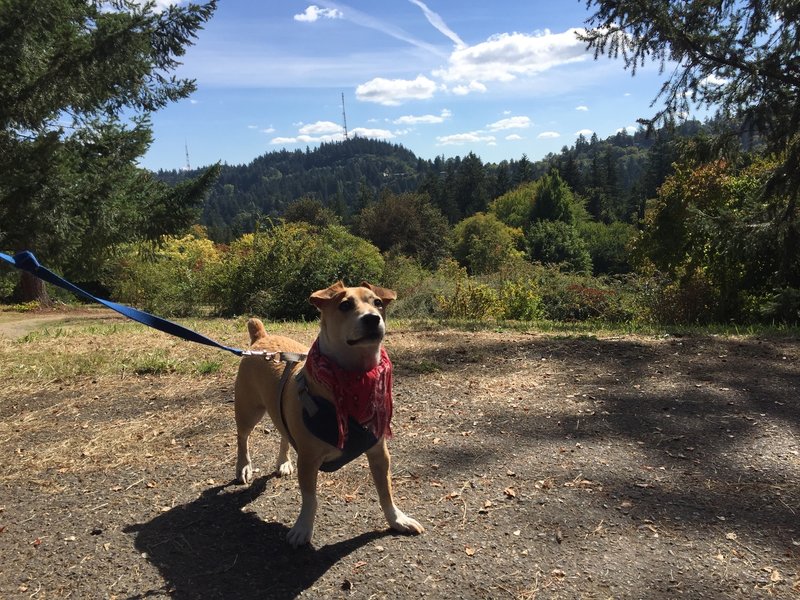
(487, 504)
(558, 573)
(775, 576)
(509, 491)
(469, 551)
(730, 536)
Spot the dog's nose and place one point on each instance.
(371, 320)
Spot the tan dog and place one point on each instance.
(352, 327)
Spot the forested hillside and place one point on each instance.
(614, 175)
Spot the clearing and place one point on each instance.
(541, 465)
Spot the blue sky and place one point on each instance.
(440, 77)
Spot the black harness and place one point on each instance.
(319, 416)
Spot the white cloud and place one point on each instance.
(584, 132)
(320, 128)
(473, 86)
(582, 108)
(548, 135)
(393, 92)
(372, 133)
(252, 126)
(423, 119)
(465, 138)
(631, 129)
(268, 130)
(513, 137)
(713, 80)
(314, 13)
(436, 20)
(506, 56)
(160, 5)
(510, 123)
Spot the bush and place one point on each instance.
(482, 243)
(568, 297)
(520, 301)
(608, 246)
(273, 273)
(470, 300)
(169, 280)
(691, 300)
(556, 242)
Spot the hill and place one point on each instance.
(615, 176)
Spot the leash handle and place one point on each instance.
(26, 261)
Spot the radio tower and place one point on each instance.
(344, 118)
(188, 166)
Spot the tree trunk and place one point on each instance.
(32, 289)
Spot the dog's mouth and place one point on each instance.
(376, 336)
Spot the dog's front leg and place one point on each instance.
(303, 528)
(380, 465)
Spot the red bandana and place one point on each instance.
(364, 395)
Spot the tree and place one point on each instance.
(483, 244)
(554, 200)
(556, 242)
(740, 56)
(408, 224)
(310, 210)
(78, 82)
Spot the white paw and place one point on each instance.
(284, 469)
(300, 534)
(245, 474)
(401, 522)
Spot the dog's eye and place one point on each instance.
(378, 302)
(346, 306)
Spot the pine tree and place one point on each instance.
(78, 82)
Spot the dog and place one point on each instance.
(349, 347)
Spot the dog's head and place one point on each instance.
(352, 323)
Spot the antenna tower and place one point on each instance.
(344, 118)
(188, 165)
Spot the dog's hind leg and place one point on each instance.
(380, 463)
(246, 420)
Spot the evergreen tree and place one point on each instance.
(78, 81)
(742, 57)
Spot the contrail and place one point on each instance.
(436, 20)
(365, 20)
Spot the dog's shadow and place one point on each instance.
(211, 548)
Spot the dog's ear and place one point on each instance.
(321, 297)
(386, 295)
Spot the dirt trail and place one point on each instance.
(541, 467)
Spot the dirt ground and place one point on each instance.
(541, 466)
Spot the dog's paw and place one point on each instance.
(401, 522)
(300, 534)
(284, 469)
(244, 474)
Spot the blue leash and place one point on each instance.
(26, 261)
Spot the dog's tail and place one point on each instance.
(256, 330)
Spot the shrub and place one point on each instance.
(169, 280)
(520, 301)
(608, 245)
(556, 242)
(470, 300)
(273, 273)
(482, 243)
